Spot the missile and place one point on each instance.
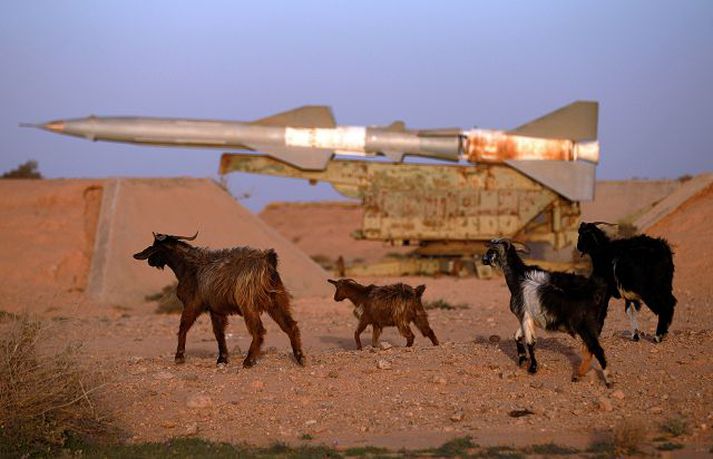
(308, 137)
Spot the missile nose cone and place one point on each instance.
(54, 126)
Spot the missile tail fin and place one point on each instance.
(572, 179)
(308, 116)
(395, 156)
(576, 121)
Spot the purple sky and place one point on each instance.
(431, 64)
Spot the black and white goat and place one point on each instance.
(638, 268)
(553, 301)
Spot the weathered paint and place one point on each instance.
(444, 209)
(492, 146)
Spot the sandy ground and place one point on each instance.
(467, 386)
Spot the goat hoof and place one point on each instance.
(247, 363)
(179, 360)
(221, 362)
(635, 337)
(658, 338)
(532, 369)
(521, 361)
(609, 384)
(300, 359)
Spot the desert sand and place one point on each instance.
(390, 396)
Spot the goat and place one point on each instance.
(383, 306)
(638, 268)
(553, 301)
(241, 280)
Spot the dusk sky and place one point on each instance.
(432, 64)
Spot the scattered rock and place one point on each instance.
(191, 428)
(257, 385)
(457, 416)
(168, 424)
(385, 345)
(163, 375)
(383, 365)
(618, 394)
(605, 404)
(438, 380)
(656, 410)
(536, 384)
(520, 413)
(333, 374)
(199, 401)
(494, 339)
(311, 422)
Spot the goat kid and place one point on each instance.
(384, 306)
(240, 280)
(552, 301)
(638, 268)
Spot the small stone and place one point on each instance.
(457, 416)
(385, 345)
(257, 385)
(494, 339)
(536, 385)
(168, 425)
(383, 365)
(163, 375)
(311, 422)
(618, 394)
(199, 401)
(656, 410)
(438, 380)
(333, 374)
(135, 359)
(605, 404)
(191, 428)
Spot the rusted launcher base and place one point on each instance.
(421, 266)
(446, 212)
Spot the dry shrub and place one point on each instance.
(168, 302)
(628, 435)
(46, 396)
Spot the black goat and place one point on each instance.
(553, 301)
(638, 268)
(241, 281)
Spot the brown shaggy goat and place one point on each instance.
(241, 280)
(386, 306)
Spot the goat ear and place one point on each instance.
(420, 289)
(332, 281)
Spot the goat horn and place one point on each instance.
(186, 238)
(605, 223)
(523, 246)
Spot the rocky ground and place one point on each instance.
(395, 396)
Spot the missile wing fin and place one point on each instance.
(309, 116)
(572, 179)
(395, 156)
(396, 126)
(312, 159)
(576, 121)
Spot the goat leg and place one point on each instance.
(282, 317)
(406, 332)
(360, 328)
(188, 318)
(423, 326)
(584, 365)
(375, 334)
(219, 322)
(257, 331)
(521, 356)
(631, 312)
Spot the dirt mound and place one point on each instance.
(617, 200)
(60, 236)
(47, 233)
(688, 230)
(323, 230)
